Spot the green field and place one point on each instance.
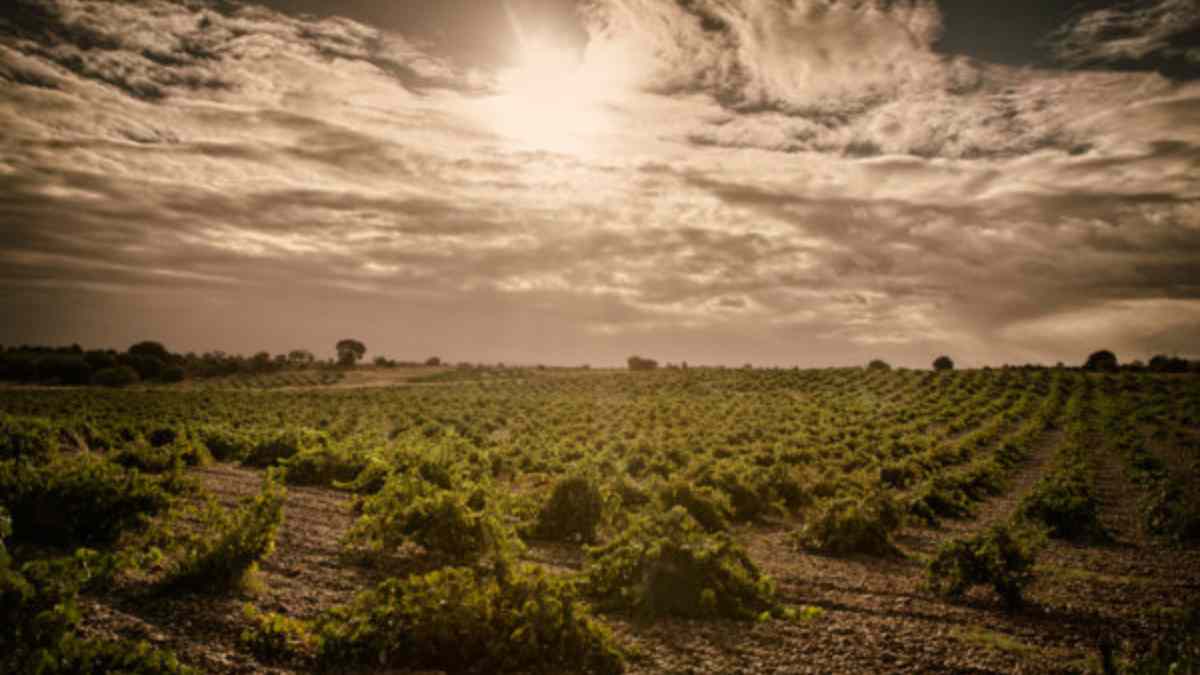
(702, 520)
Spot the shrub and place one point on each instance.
(939, 497)
(461, 620)
(282, 445)
(666, 564)
(147, 458)
(1172, 509)
(227, 549)
(326, 466)
(1064, 503)
(275, 638)
(68, 369)
(77, 500)
(853, 525)
(786, 483)
(147, 367)
(370, 480)
(449, 523)
(879, 364)
(99, 360)
(710, 508)
(162, 449)
(39, 614)
(120, 376)
(222, 443)
(630, 493)
(997, 557)
(943, 363)
(173, 374)
(575, 510)
(749, 496)
(18, 367)
(29, 438)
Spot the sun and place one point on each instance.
(547, 102)
(550, 99)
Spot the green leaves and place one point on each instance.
(460, 524)
(667, 564)
(575, 510)
(1064, 503)
(29, 438)
(231, 543)
(998, 557)
(461, 619)
(78, 500)
(853, 525)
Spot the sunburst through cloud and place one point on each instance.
(600, 336)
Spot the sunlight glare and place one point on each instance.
(551, 100)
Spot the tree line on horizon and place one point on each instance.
(151, 361)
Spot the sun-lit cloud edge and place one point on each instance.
(283, 158)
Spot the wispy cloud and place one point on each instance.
(1158, 34)
(784, 181)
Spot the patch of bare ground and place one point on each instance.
(1132, 584)
(992, 511)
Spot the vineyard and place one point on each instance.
(683, 520)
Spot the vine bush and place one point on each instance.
(998, 557)
(465, 620)
(668, 564)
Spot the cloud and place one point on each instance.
(1158, 35)
(796, 56)
(858, 79)
(782, 181)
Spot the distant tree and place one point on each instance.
(879, 364)
(19, 366)
(147, 367)
(99, 360)
(350, 352)
(119, 376)
(639, 363)
(300, 358)
(1162, 363)
(943, 363)
(173, 374)
(433, 361)
(1101, 361)
(152, 349)
(68, 369)
(259, 363)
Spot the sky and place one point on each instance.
(776, 182)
